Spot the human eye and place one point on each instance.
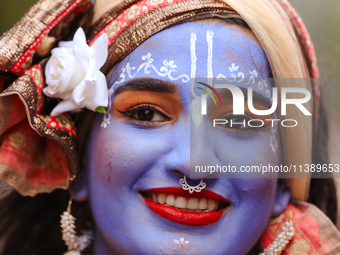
(145, 113)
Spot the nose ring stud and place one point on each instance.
(192, 189)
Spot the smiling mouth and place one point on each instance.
(178, 205)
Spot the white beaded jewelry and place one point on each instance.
(74, 243)
(282, 239)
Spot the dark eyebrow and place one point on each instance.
(257, 97)
(148, 84)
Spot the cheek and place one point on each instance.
(106, 152)
(249, 149)
(257, 198)
(121, 154)
(258, 192)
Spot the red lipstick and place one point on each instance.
(186, 217)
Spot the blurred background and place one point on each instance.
(322, 18)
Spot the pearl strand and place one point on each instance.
(74, 243)
(281, 240)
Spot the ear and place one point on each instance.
(282, 197)
(78, 189)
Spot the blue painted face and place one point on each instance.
(144, 144)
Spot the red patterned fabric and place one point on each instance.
(38, 152)
(115, 27)
(314, 232)
(63, 121)
(36, 160)
(19, 67)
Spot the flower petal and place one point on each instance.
(99, 92)
(67, 44)
(79, 41)
(65, 106)
(59, 71)
(100, 50)
(51, 93)
(79, 94)
(81, 58)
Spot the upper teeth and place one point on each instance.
(186, 204)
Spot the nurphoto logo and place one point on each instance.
(238, 99)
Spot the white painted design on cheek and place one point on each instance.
(210, 36)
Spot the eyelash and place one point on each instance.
(135, 109)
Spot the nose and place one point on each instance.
(190, 148)
(201, 150)
(178, 159)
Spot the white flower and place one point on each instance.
(73, 74)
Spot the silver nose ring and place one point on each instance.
(192, 189)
